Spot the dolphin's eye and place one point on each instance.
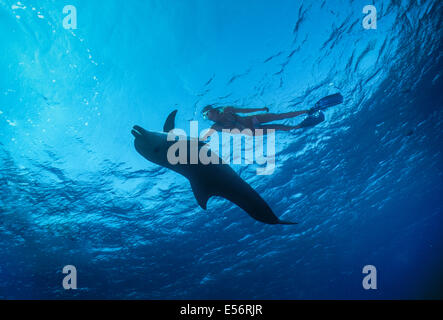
(156, 149)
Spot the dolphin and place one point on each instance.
(206, 180)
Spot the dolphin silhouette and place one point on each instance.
(206, 180)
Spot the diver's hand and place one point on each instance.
(266, 109)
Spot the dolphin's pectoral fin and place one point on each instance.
(201, 194)
(170, 122)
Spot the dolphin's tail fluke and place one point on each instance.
(286, 222)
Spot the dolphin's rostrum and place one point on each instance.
(206, 180)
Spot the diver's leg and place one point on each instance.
(268, 117)
(306, 123)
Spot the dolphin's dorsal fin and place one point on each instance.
(170, 122)
(201, 194)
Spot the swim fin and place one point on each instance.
(311, 120)
(326, 102)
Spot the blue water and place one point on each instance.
(365, 185)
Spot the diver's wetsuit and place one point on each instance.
(233, 121)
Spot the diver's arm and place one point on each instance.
(245, 110)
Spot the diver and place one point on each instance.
(228, 118)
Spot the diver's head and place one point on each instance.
(209, 112)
